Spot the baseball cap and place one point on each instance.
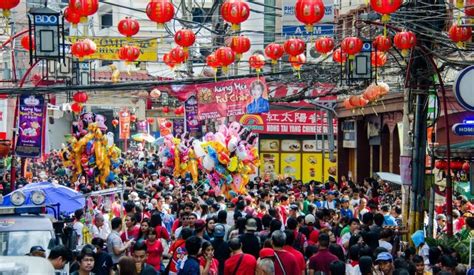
(266, 253)
(251, 225)
(219, 231)
(309, 219)
(37, 248)
(384, 256)
(199, 224)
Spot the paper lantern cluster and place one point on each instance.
(79, 99)
(83, 48)
(456, 165)
(372, 94)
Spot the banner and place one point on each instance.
(232, 98)
(193, 125)
(108, 47)
(178, 127)
(299, 122)
(3, 117)
(30, 126)
(124, 125)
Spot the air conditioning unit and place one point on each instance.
(312, 56)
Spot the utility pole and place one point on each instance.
(187, 15)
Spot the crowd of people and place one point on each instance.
(166, 225)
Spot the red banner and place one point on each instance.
(232, 98)
(124, 130)
(288, 122)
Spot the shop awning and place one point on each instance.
(464, 150)
(390, 177)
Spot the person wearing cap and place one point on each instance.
(440, 224)
(322, 260)
(345, 210)
(250, 241)
(384, 262)
(221, 247)
(37, 251)
(293, 211)
(330, 202)
(239, 263)
(199, 226)
(265, 264)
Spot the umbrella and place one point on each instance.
(390, 177)
(68, 199)
(140, 137)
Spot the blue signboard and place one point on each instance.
(318, 30)
(46, 19)
(463, 129)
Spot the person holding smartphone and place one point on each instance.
(207, 263)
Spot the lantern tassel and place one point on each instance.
(362, 111)
(6, 13)
(383, 104)
(385, 18)
(373, 109)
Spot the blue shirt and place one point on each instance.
(191, 267)
(258, 106)
(346, 213)
(389, 220)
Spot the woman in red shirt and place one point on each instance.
(208, 264)
(154, 250)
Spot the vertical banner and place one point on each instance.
(3, 117)
(178, 127)
(142, 127)
(124, 125)
(30, 126)
(193, 126)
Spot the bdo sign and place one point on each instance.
(46, 19)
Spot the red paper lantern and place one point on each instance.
(160, 11)
(378, 59)
(84, 8)
(257, 62)
(80, 97)
(324, 45)
(352, 46)
(240, 45)
(72, 16)
(150, 120)
(128, 27)
(274, 51)
(115, 122)
(168, 124)
(179, 111)
(76, 107)
(372, 93)
(185, 38)
(339, 56)
(178, 55)
(235, 12)
(358, 101)
(25, 42)
(166, 109)
(297, 61)
(92, 46)
(294, 46)
(460, 35)
(225, 56)
(404, 41)
(456, 165)
(382, 43)
(347, 104)
(466, 167)
(129, 53)
(211, 61)
(169, 61)
(7, 5)
(385, 7)
(133, 118)
(441, 165)
(309, 12)
(469, 8)
(81, 49)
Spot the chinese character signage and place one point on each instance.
(288, 122)
(193, 126)
(30, 126)
(3, 117)
(124, 125)
(232, 98)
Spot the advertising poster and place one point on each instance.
(142, 126)
(124, 125)
(269, 145)
(290, 145)
(291, 165)
(312, 167)
(30, 126)
(3, 116)
(232, 98)
(193, 125)
(178, 127)
(270, 167)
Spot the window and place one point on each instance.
(201, 15)
(106, 20)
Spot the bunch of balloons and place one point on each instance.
(90, 152)
(224, 159)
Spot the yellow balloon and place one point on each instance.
(234, 162)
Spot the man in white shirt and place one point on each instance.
(385, 238)
(354, 225)
(78, 226)
(100, 229)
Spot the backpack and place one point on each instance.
(70, 237)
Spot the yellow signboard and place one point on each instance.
(291, 165)
(108, 47)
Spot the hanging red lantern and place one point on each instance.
(469, 8)
(240, 45)
(274, 51)
(150, 120)
(84, 8)
(456, 165)
(76, 107)
(358, 101)
(225, 56)
(115, 122)
(25, 42)
(72, 16)
(324, 45)
(168, 124)
(466, 167)
(128, 27)
(297, 61)
(309, 12)
(133, 118)
(372, 93)
(179, 111)
(211, 61)
(178, 55)
(92, 47)
(382, 43)
(347, 104)
(257, 62)
(352, 46)
(7, 5)
(339, 56)
(235, 12)
(166, 109)
(80, 49)
(169, 61)
(460, 35)
(185, 38)
(378, 59)
(129, 53)
(160, 11)
(441, 164)
(80, 97)
(385, 7)
(294, 46)
(404, 41)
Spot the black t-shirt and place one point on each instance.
(250, 244)
(103, 264)
(148, 270)
(221, 252)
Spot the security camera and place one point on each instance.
(410, 133)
